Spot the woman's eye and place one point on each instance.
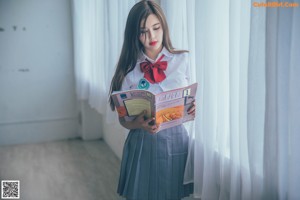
(143, 32)
(156, 28)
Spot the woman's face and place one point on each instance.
(152, 34)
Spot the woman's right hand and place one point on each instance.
(141, 123)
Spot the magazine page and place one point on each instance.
(171, 106)
(131, 103)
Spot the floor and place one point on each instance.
(63, 170)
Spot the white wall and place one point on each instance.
(37, 86)
(90, 122)
(114, 135)
(37, 94)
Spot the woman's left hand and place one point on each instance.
(192, 109)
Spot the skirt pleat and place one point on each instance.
(152, 166)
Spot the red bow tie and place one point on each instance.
(154, 72)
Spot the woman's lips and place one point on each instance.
(153, 43)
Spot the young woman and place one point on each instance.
(153, 163)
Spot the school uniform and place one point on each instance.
(153, 165)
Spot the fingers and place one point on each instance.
(152, 129)
(146, 124)
(147, 121)
(141, 117)
(192, 109)
(142, 114)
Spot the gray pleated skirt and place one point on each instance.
(153, 165)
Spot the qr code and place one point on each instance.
(10, 189)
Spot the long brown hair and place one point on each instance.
(132, 46)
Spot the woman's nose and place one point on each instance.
(151, 34)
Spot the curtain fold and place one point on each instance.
(282, 134)
(256, 92)
(293, 126)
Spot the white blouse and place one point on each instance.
(177, 73)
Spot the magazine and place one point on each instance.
(169, 108)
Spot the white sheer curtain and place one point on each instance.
(98, 36)
(246, 60)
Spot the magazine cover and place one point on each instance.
(168, 108)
